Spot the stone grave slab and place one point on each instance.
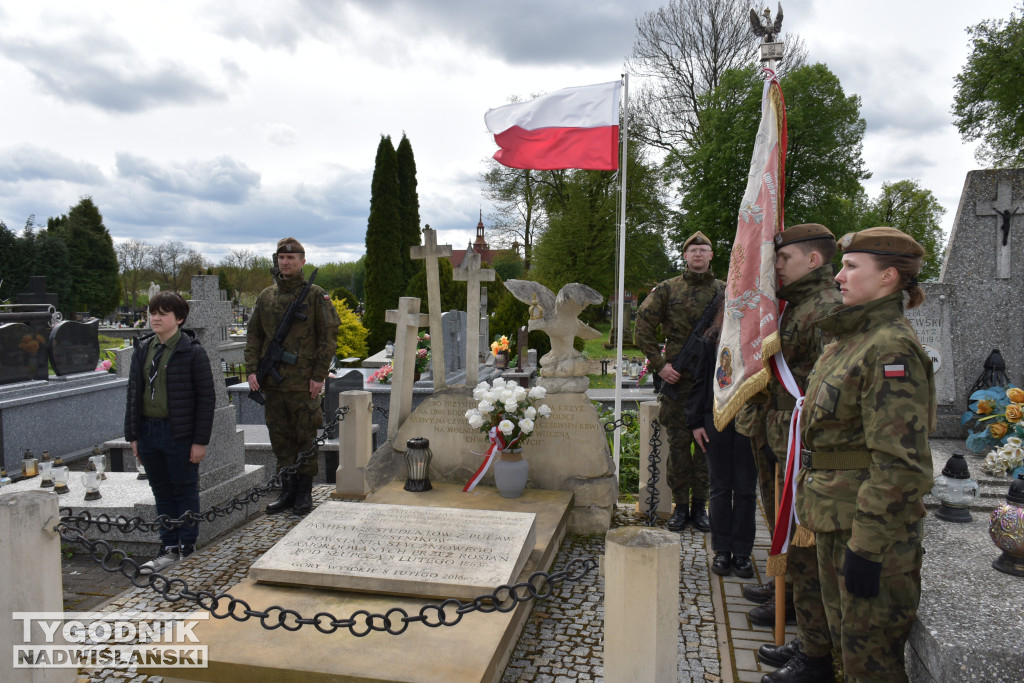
(75, 347)
(401, 550)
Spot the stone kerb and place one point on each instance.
(568, 452)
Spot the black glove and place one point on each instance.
(862, 576)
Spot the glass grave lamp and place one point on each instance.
(98, 461)
(46, 474)
(60, 479)
(29, 464)
(4, 479)
(634, 368)
(955, 491)
(417, 462)
(1006, 529)
(91, 481)
(993, 374)
(389, 349)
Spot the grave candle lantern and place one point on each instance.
(92, 480)
(46, 474)
(60, 479)
(1006, 529)
(955, 491)
(29, 465)
(417, 462)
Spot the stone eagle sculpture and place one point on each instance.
(563, 369)
(765, 27)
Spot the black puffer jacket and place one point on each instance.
(190, 397)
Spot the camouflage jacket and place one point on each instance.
(809, 299)
(314, 340)
(676, 305)
(871, 392)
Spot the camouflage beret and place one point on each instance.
(881, 241)
(290, 245)
(802, 233)
(696, 238)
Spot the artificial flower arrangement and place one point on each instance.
(104, 365)
(643, 372)
(382, 375)
(499, 344)
(422, 352)
(506, 413)
(1002, 410)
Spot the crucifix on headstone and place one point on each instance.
(430, 252)
(407, 320)
(1004, 209)
(472, 274)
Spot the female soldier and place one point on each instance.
(869, 407)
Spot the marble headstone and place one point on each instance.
(428, 552)
(74, 347)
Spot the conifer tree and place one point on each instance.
(409, 205)
(385, 267)
(94, 269)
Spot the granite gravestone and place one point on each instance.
(74, 346)
(453, 327)
(22, 354)
(430, 552)
(975, 307)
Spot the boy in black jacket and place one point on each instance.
(168, 419)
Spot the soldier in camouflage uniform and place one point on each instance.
(676, 306)
(293, 405)
(869, 407)
(803, 255)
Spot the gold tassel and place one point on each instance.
(803, 537)
(776, 565)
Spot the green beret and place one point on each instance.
(696, 238)
(881, 241)
(290, 245)
(802, 233)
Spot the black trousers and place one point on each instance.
(733, 476)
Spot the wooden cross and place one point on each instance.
(430, 252)
(407, 320)
(472, 274)
(1005, 209)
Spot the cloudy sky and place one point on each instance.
(228, 124)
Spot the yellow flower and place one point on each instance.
(1014, 413)
(998, 429)
(1016, 395)
(985, 406)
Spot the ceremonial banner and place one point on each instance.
(750, 329)
(569, 128)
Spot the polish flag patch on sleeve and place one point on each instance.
(895, 370)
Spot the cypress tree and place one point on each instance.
(94, 269)
(409, 205)
(385, 267)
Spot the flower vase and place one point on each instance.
(501, 360)
(510, 473)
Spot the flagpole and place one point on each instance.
(616, 439)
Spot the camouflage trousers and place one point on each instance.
(292, 420)
(765, 479)
(871, 634)
(811, 620)
(686, 469)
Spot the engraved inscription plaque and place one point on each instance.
(402, 550)
(930, 321)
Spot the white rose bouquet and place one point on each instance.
(507, 414)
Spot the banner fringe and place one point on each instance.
(803, 537)
(776, 565)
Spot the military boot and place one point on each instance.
(764, 615)
(287, 497)
(699, 515)
(760, 593)
(778, 655)
(303, 495)
(803, 669)
(679, 519)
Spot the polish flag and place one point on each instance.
(569, 128)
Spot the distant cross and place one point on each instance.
(430, 252)
(1004, 209)
(209, 315)
(407, 320)
(472, 274)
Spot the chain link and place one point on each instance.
(360, 623)
(382, 410)
(626, 420)
(126, 525)
(653, 460)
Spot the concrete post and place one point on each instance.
(31, 563)
(355, 444)
(649, 413)
(641, 605)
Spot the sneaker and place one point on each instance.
(187, 549)
(759, 594)
(741, 566)
(168, 556)
(722, 564)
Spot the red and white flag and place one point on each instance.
(569, 128)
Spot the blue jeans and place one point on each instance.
(173, 478)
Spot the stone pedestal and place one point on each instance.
(648, 414)
(355, 440)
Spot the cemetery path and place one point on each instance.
(562, 639)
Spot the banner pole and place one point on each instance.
(621, 287)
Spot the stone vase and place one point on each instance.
(511, 471)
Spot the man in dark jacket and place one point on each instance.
(168, 419)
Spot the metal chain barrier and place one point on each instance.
(653, 460)
(625, 420)
(125, 525)
(382, 410)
